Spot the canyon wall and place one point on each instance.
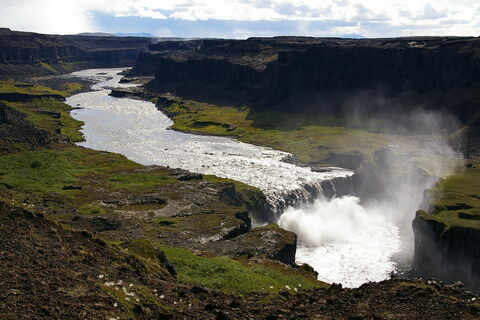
(450, 254)
(25, 53)
(317, 75)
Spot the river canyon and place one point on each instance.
(345, 239)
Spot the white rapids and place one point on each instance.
(343, 241)
(339, 238)
(139, 131)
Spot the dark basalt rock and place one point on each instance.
(189, 176)
(20, 97)
(315, 75)
(72, 187)
(448, 254)
(15, 129)
(23, 52)
(270, 242)
(132, 93)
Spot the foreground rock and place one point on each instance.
(53, 273)
(447, 234)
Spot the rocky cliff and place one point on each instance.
(24, 53)
(15, 130)
(447, 237)
(316, 75)
(449, 254)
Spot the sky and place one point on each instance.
(246, 18)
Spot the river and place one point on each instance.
(344, 242)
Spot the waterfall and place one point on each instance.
(345, 239)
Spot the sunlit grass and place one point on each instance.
(455, 196)
(232, 276)
(310, 138)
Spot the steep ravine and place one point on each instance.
(352, 256)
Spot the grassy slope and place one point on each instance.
(68, 127)
(310, 138)
(234, 276)
(33, 178)
(22, 88)
(456, 200)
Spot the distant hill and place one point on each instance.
(140, 34)
(94, 34)
(118, 34)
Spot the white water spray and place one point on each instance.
(352, 242)
(343, 241)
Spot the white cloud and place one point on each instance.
(47, 16)
(367, 17)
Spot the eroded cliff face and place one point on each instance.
(448, 254)
(322, 74)
(38, 54)
(16, 131)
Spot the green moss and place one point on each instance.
(46, 171)
(90, 209)
(66, 65)
(48, 67)
(143, 247)
(232, 276)
(51, 115)
(139, 182)
(456, 200)
(69, 127)
(68, 89)
(26, 89)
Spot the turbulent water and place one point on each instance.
(344, 242)
(139, 131)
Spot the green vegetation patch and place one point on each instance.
(90, 208)
(46, 113)
(310, 138)
(68, 88)
(41, 171)
(232, 276)
(140, 182)
(48, 67)
(26, 89)
(456, 200)
(50, 114)
(51, 170)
